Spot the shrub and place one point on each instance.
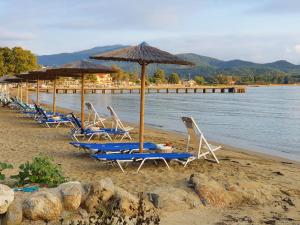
(4, 166)
(42, 170)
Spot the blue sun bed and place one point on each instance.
(114, 147)
(118, 158)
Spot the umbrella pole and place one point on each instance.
(18, 95)
(82, 100)
(37, 91)
(142, 107)
(21, 93)
(27, 92)
(54, 95)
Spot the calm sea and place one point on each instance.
(264, 119)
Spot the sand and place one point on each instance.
(21, 138)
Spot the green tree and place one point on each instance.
(174, 78)
(222, 79)
(199, 80)
(159, 76)
(16, 60)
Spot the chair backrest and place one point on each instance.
(93, 115)
(77, 122)
(116, 121)
(195, 135)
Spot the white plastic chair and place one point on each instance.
(196, 136)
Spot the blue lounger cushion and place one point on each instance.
(114, 147)
(136, 156)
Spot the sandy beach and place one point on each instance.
(272, 184)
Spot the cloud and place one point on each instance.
(15, 36)
(297, 48)
(276, 7)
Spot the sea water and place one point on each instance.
(264, 119)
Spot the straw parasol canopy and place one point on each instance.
(35, 75)
(143, 54)
(79, 69)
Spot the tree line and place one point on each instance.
(16, 60)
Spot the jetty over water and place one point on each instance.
(149, 89)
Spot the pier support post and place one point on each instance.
(204, 90)
(222, 90)
(213, 90)
(177, 90)
(186, 90)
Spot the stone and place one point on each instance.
(210, 191)
(42, 206)
(6, 198)
(128, 203)
(101, 191)
(71, 193)
(173, 199)
(14, 214)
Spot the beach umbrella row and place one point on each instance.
(76, 69)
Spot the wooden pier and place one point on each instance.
(150, 89)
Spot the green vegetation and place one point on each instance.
(41, 170)
(199, 80)
(173, 78)
(16, 60)
(4, 166)
(158, 77)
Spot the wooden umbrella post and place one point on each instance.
(54, 95)
(21, 93)
(82, 100)
(142, 107)
(37, 90)
(27, 92)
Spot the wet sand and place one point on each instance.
(21, 139)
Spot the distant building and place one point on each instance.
(189, 83)
(68, 82)
(103, 79)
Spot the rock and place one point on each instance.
(127, 202)
(172, 199)
(42, 206)
(210, 191)
(6, 198)
(14, 214)
(71, 193)
(101, 190)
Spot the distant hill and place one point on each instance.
(206, 66)
(63, 58)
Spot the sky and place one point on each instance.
(255, 30)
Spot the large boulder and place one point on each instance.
(98, 191)
(14, 214)
(209, 190)
(6, 198)
(71, 194)
(42, 206)
(173, 199)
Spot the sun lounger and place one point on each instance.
(53, 120)
(93, 116)
(126, 147)
(143, 157)
(195, 136)
(117, 123)
(92, 131)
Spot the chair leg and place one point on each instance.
(119, 164)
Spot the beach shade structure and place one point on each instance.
(79, 69)
(14, 80)
(143, 54)
(35, 76)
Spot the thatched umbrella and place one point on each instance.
(15, 80)
(36, 75)
(144, 55)
(79, 69)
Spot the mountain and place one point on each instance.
(63, 58)
(204, 65)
